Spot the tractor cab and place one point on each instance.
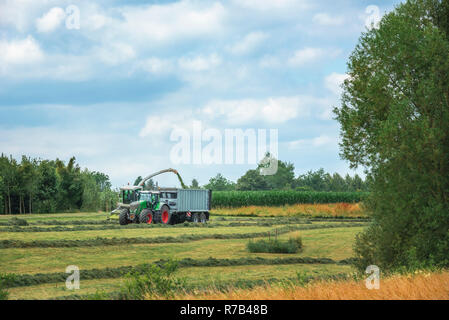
(129, 194)
(149, 199)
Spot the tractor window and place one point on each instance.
(173, 195)
(145, 196)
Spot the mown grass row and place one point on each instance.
(152, 226)
(223, 199)
(164, 239)
(23, 280)
(219, 286)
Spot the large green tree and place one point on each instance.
(220, 183)
(395, 122)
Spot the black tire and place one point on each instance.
(146, 216)
(157, 217)
(203, 218)
(165, 214)
(123, 217)
(196, 218)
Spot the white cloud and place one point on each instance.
(269, 61)
(155, 65)
(327, 20)
(115, 53)
(317, 142)
(52, 142)
(164, 23)
(272, 4)
(199, 63)
(51, 20)
(334, 81)
(24, 51)
(18, 13)
(248, 43)
(305, 56)
(272, 110)
(160, 125)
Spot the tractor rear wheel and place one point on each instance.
(123, 217)
(203, 218)
(146, 216)
(165, 214)
(196, 217)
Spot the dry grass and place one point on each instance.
(350, 210)
(422, 286)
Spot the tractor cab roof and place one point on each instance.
(132, 188)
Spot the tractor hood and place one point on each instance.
(134, 205)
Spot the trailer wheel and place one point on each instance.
(123, 217)
(196, 218)
(203, 218)
(146, 216)
(165, 214)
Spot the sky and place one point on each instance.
(110, 81)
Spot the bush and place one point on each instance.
(4, 294)
(153, 282)
(292, 245)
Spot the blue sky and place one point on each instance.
(111, 91)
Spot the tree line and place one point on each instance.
(285, 179)
(47, 186)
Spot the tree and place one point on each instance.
(252, 181)
(284, 178)
(195, 184)
(149, 185)
(394, 121)
(70, 185)
(47, 187)
(315, 180)
(137, 181)
(29, 176)
(338, 184)
(2, 208)
(220, 183)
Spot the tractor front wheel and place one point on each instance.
(165, 214)
(146, 216)
(123, 217)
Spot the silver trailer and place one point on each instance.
(186, 204)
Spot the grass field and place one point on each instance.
(335, 210)
(211, 255)
(424, 286)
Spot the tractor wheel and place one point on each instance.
(146, 216)
(157, 217)
(165, 214)
(123, 217)
(203, 218)
(196, 218)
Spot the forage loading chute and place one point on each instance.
(142, 183)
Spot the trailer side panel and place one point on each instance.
(193, 200)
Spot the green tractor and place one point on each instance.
(137, 206)
(166, 206)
